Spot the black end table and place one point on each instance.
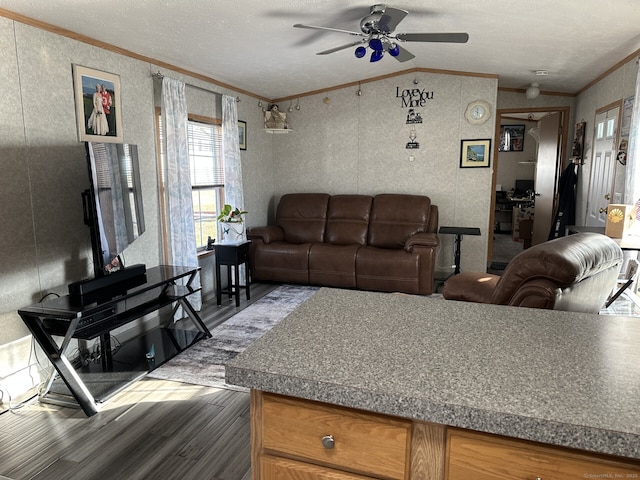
(458, 232)
(232, 254)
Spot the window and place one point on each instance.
(207, 177)
(204, 136)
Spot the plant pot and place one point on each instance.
(233, 231)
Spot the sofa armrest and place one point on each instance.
(421, 240)
(535, 293)
(470, 287)
(268, 234)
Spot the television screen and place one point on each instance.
(116, 198)
(523, 186)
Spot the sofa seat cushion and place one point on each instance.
(281, 262)
(333, 265)
(388, 270)
(475, 287)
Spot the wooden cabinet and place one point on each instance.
(285, 469)
(320, 441)
(487, 457)
(287, 444)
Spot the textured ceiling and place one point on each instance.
(252, 44)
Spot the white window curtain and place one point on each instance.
(181, 237)
(632, 182)
(233, 192)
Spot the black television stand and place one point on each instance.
(163, 285)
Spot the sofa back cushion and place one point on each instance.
(303, 217)
(395, 217)
(348, 219)
(565, 262)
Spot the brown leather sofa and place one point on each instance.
(385, 242)
(573, 273)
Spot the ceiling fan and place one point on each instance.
(377, 31)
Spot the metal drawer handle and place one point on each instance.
(328, 442)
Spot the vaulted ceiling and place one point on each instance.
(252, 44)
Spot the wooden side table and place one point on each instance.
(232, 254)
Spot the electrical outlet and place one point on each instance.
(412, 158)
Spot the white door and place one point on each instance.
(602, 167)
(546, 176)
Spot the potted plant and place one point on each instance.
(232, 222)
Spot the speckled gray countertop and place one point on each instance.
(560, 378)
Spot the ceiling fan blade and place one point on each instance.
(391, 18)
(433, 37)
(329, 29)
(404, 55)
(342, 47)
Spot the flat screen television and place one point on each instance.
(113, 211)
(523, 186)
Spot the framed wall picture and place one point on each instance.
(511, 138)
(475, 153)
(242, 133)
(98, 106)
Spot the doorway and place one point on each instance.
(602, 180)
(540, 166)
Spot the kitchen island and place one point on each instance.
(559, 383)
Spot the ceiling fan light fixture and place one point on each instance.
(533, 91)
(360, 52)
(376, 44)
(394, 50)
(376, 55)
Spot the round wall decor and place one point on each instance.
(478, 112)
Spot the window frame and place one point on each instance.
(161, 185)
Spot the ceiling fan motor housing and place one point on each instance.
(371, 23)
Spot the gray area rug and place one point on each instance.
(203, 363)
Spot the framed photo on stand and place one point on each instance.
(98, 106)
(475, 153)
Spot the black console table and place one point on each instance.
(458, 232)
(63, 318)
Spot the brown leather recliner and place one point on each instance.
(573, 273)
(385, 242)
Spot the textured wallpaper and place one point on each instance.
(348, 143)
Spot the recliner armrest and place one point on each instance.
(470, 287)
(421, 240)
(268, 234)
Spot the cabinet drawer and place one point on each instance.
(364, 443)
(275, 468)
(487, 457)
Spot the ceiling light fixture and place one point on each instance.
(533, 91)
(378, 46)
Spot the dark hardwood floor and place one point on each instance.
(152, 429)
